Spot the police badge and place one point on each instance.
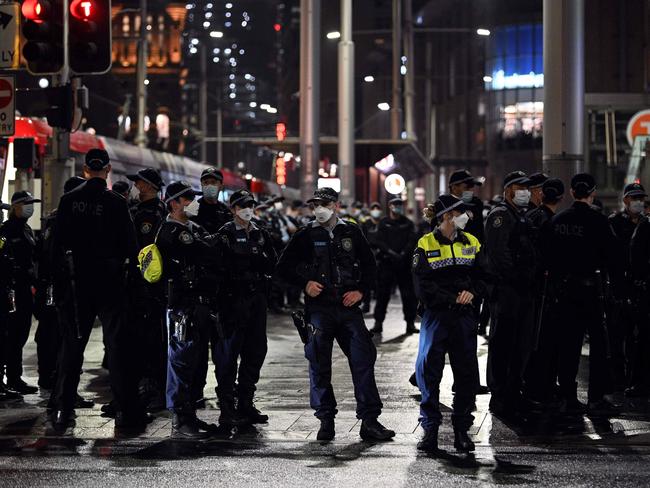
(145, 228)
(416, 260)
(186, 238)
(346, 244)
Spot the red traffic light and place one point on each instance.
(36, 10)
(277, 27)
(83, 9)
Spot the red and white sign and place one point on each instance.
(7, 106)
(639, 125)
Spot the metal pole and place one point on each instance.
(346, 103)
(310, 28)
(564, 87)
(141, 76)
(409, 78)
(430, 127)
(219, 136)
(396, 105)
(203, 104)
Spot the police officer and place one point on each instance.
(333, 263)
(213, 213)
(625, 311)
(448, 277)
(249, 260)
(396, 240)
(537, 181)
(369, 227)
(147, 308)
(21, 249)
(191, 267)
(95, 248)
(580, 243)
(122, 188)
(462, 185)
(511, 261)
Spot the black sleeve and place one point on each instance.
(426, 288)
(367, 261)
(295, 259)
(270, 256)
(498, 228)
(640, 251)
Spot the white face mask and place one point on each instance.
(246, 214)
(323, 214)
(355, 212)
(460, 221)
(467, 196)
(375, 214)
(210, 191)
(28, 210)
(522, 197)
(192, 210)
(277, 205)
(636, 206)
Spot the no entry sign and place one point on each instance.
(7, 106)
(639, 125)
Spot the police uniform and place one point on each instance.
(511, 261)
(340, 259)
(191, 262)
(21, 249)
(95, 248)
(395, 241)
(580, 243)
(213, 214)
(249, 261)
(475, 205)
(147, 305)
(442, 269)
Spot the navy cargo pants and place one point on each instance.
(346, 325)
(442, 332)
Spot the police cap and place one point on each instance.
(324, 195)
(97, 159)
(121, 187)
(23, 197)
(634, 190)
(464, 176)
(357, 204)
(375, 205)
(516, 178)
(148, 175)
(583, 184)
(178, 189)
(395, 201)
(297, 204)
(75, 182)
(212, 173)
(537, 179)
(553, 189)
(447, 203)
(241, 198)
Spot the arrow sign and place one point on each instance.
(9, 38)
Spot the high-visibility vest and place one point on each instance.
(443, 255)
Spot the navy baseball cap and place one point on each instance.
(396, 201)
(241, 198)
(179, 189)
(464, 176)
(97, 159)
(634, 190)
(583, 182)
(516, 178)
(148, 175)
(324, 195)
(447, 203)
(23, 197)
(212, 173)
(121, 187)
(553, 188)
(537, 179)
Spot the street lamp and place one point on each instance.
(369, 79)
(216, 34)
(334, 35)
(383, 106)
(483, 32)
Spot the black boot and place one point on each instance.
(462, 441)
(229, 415)
(378, 328)
(247, 409)
(62, 419)
(326, 431)
(429, 441)
(185, 427)
(372, 430)
(411, 328)
(17, 384)
(8, 394)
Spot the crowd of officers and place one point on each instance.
(543, 278)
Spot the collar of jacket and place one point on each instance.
(459, 237)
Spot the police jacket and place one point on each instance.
(147, 217)
(212, 216)
(442, 268)
(340, 259)
(623, 226)
(45, 249)
(395, 239)
(248, 255)
(191, 258)
(640, 251)
(540, 218)
(509, 245)
(475, 226)
(578, 242)
(370, 228)
(20, 248)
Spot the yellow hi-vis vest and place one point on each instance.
(444, 255)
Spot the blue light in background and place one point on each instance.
(515, 57)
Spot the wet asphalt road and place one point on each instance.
(582, 452)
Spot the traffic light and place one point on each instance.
(90, 36)
(43, 34)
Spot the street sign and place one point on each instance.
(639, 125)
(394, 184)
(9, 39)
(7, 106)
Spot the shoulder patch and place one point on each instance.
(416, 259)
(497, 222)
(346, 244)
(185, 237)
(434, 254)
(224, 239)
(146, 228)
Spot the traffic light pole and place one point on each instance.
(346, 104)
(59, 166)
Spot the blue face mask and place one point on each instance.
(211, 191)
(398, 210)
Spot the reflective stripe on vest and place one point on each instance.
(444, 255)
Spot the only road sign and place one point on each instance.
(7, 106)
(9, 38)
